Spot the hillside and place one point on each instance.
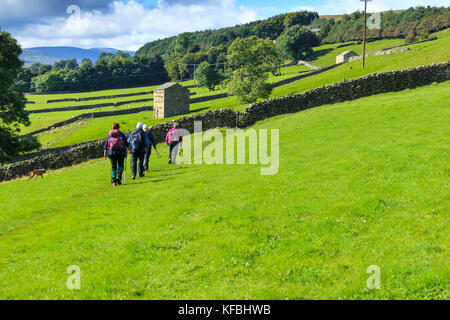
(360, 183)
(340, 28)
(420, 54)
(50, 55)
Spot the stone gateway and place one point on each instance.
(171, 99)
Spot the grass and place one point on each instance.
(326, 54)
(420, 54)
(360, 183)
(40, 101)
(43, 120)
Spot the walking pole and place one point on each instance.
(125, 171)
(131, 164)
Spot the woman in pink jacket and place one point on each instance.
(174, 140)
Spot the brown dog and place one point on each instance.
(37, 173)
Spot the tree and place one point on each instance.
(47, 82)
(251, 59)
(43, 68)
(12, 101)
(270, 28)
(182, 43)
(297, 42)
(302, 18)
(207, 76)
(24, 79)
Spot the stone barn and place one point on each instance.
(171, 99)
(346, 56)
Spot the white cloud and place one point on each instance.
(130, 25)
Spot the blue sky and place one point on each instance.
(129, 24)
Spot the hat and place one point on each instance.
(145, 127)
(139, 125)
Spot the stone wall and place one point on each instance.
(208, 98)
(92, 106)
(99, 114)
(381, 52)
(101, 97)
(346, 90)
(302, 76)
(61, 157)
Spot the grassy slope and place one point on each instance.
(326, 54)
(360, 183)
(421, 54)
(39, 121)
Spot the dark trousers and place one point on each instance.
(147, 159)
(135, 157)
(117, 161)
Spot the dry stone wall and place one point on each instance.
(347, 90)
(57, 158)
(99, 114)
(101, 97)
(342, 91)
(92, 106)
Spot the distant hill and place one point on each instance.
(412, 22)
(50, 55)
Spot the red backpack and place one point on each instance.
(115, 141)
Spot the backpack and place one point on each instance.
(137, 141)
(115, 141)
(173, 137)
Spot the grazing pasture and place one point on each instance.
(360, 183)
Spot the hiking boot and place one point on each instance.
(114, 184)
(133, 178)
(170, 161)
(119, 182)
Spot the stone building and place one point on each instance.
(171, 99)
(345, 56)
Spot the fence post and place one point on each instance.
(237, 119)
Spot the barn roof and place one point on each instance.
(168, 85)
(346, 53)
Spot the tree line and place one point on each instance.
(118, 70)
(412, 24)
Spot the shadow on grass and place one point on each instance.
(198, 110)
(144, 182)
(319, 53)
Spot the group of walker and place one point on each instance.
(139, 144)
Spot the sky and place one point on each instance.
(129, 24)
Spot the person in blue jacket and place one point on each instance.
(115, 149)
(148, 153)
(138, 143)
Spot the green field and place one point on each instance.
(360, 183)
(326, 55)
(420, 54)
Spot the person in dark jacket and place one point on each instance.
(138, 143)
(115, 149)
(148, 153)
